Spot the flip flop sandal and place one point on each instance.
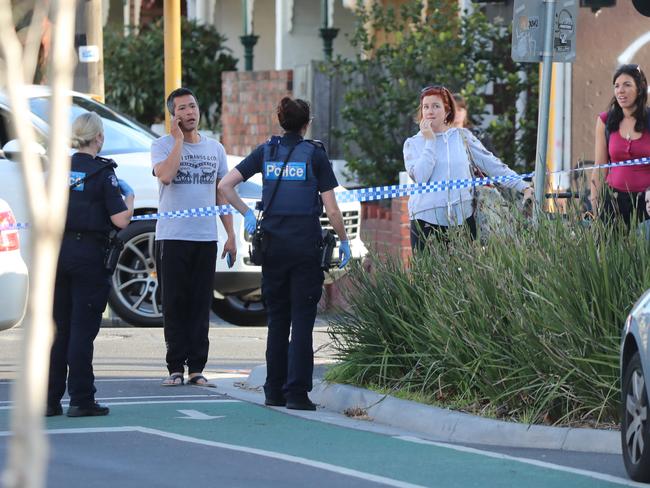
(173, 380)
(196, 381)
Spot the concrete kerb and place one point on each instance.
(449, 426)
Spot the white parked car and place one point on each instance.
(134, 295)
(14, 280)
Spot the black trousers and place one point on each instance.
(624, 205)
(186, 277)
(292, 284)
(80, 296)
(422, 231)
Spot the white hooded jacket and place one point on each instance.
(445, 158)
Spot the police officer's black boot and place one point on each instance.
(299, 401)
(96, 410)
(274, 398)
(54, 410)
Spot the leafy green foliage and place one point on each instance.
(527, 326)
(404, 53)
(134, 70)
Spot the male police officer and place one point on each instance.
(297, 175)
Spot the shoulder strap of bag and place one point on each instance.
(475, 169)
(275, 190)
(106, 163)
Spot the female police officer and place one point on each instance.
(294, 172)
(82, 280)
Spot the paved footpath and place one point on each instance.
(193, 436)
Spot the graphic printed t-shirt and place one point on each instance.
(202, 164)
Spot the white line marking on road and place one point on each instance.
(196, 415)
(534, 462)
(153, 402)
(153, 396)
(103, 399)
(216, 376)
(232, 447)
(284, 457)
(172, 401)
(86, 430)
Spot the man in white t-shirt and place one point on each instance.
(188, 166)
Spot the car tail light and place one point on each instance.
(8, 238)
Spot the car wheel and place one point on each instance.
(134, 286)
(242, 309)
(635, 435)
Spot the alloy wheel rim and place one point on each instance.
(636, 411)
(135, 280)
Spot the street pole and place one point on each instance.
(545, 100)
(96, 37)
(172, 32)
(89, 72)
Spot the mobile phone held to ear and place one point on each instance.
(229, 261)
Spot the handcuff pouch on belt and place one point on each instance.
(113, 249)
(258, 245)
(327, 248)
(260, 242)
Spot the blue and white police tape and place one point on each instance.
(369, 194)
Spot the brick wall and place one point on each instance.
(249, 100)
(248, 118)
(385, 230)
(600, 40)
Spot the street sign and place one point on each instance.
(88, 54)
(529, 27)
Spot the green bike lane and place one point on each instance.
(222, 423)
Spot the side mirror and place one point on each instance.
(12, 149)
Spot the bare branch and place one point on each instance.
(10, 51)
(28, 447)
(62, 67)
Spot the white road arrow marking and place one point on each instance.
(196, 415)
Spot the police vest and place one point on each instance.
(86, 208)
(297, 193)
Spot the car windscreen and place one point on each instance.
(120, 134)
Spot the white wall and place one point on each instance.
(295, 42)
(299, 40)
(228, 21)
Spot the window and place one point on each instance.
(121, 135)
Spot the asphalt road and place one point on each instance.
(161, 436)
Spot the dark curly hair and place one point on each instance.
(615, 112)
(293, 115)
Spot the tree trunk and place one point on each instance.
(47, 201)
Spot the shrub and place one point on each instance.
(408, 52)
(529, 324)
(134, 70)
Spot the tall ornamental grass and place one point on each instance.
(527, 325)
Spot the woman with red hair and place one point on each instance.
(441, 152)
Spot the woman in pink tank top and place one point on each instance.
(622, 133)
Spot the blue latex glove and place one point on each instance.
(250, 222)
(344, 253)
(125, 188)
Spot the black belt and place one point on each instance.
(86, 234)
